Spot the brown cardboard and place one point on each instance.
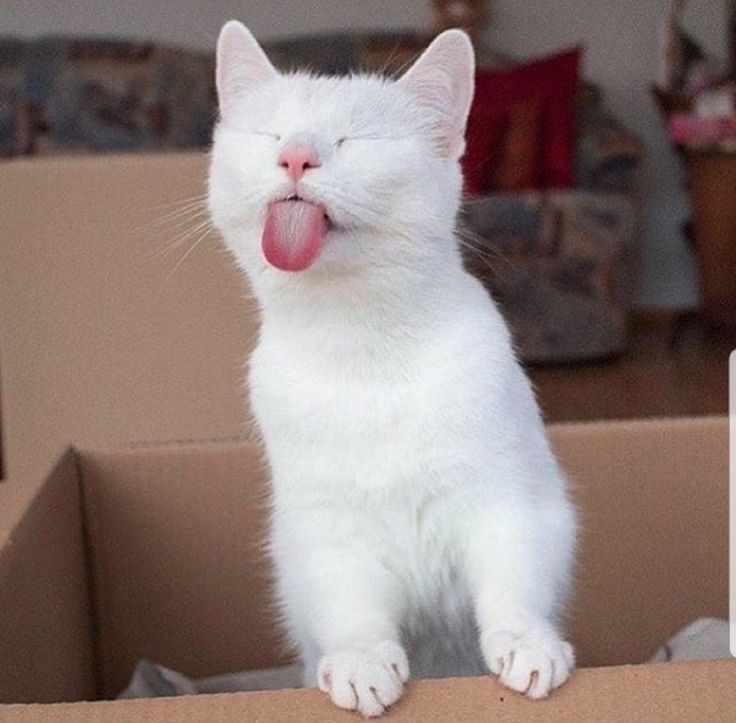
(180, 576)
(102, 339)
(128, 547)
(173, 537)
(202, 510)
(46, 650)
(653, 498)
(675, 693)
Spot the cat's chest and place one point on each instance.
(336, 400)
(355, 427)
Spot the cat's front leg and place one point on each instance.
(349, 604)
(518, 578)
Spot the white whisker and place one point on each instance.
(187, 253)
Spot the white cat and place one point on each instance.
(420, 520)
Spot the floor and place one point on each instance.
(650, 379)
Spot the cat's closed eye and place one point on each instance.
(344, 139)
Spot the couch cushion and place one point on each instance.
(503, 97)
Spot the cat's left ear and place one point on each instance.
(241, 64)
(443, 80)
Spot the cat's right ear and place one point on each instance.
(442, 79)
(241, 65)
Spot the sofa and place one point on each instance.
(559, 261)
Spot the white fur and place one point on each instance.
(418, 511)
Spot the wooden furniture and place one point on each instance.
(712, 181)
(711, 231)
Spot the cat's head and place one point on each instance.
(333, 175)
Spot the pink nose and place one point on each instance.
(297, 159)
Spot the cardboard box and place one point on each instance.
(133, 503)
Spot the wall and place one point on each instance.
(620, 36)
(195, 22)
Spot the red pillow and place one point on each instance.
(550, 84)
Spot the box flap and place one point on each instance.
(46, 651)
(104, 339)
(653, 500)
(670, 692)
(176, 537)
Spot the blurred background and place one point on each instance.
(600, 167)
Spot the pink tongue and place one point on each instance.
(293, 234)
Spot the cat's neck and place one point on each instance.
(374, 301)
(374, 326)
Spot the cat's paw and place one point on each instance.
(533, 663)
(365, 679)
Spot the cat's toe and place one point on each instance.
(394, 657)
(497, 650)
(530, 664)
(366, 680)
(529, 672)
(377, 689)
(335, 679)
